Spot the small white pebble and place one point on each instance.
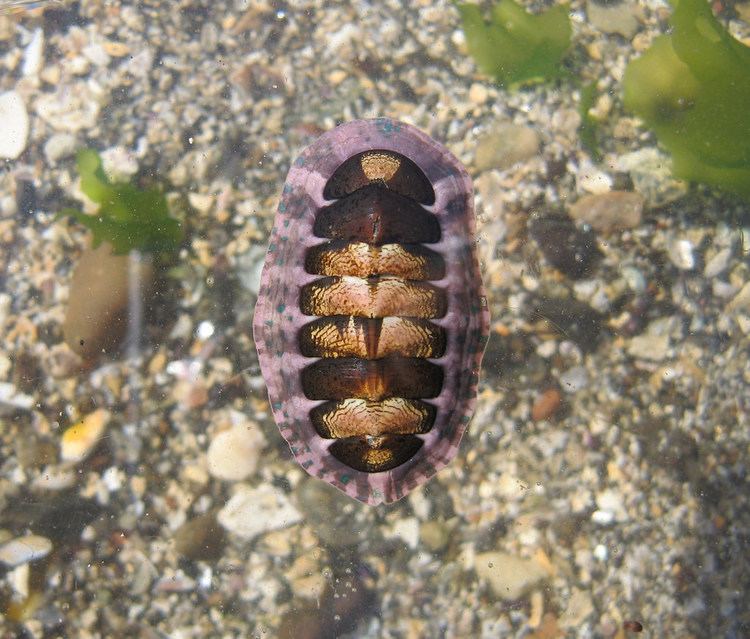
(547, 349)
(574, 379)
(408, 531)
(15, 129)
(254, 511)
(10, 396)
(33, 56)
(681, 254)
(205, 330)
(59, 146)
(602, 517)
(234, 453)
(201, 202)
(22, 550)
(113, 479)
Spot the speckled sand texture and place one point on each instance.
(602, 482)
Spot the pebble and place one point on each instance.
(254, 511)
(79, 440)
(591, 179)
(11, 397)
(653, 348)
(536, 609)
(652, 176)
(175, 582)
(718, 263)
(18, 580)
(580, 607)
(119, 164)
(15, 130)
(612, 18)
(634, 279)
(478, 94)
(571, 250)
(574, 379)
(190, 393)
(59, 146)
(407, 530)
(610, 501)
(200, 539)
(116, 49)
(33, 56)
(601, 552)
(306, 579)
(201, 202)
(509, 577)
(71, 108)
(492, 190)
(234, 453)
(681, 254)
(96, 316)
(608, 212)
(602, 517)
(55, 478)
(505, 145)
(22, 550)
(336, 77)
(741, 301)
(249, 267)
(546, 404)
(435, 535)
(96, 54)
(569, 318)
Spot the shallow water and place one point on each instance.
(601, 487)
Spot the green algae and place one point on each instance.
(589, 125)
(128, 218)
(692, 89)
(516, 47)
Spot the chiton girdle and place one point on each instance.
(371, 317)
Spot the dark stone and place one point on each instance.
(571, 250)
(574, 320)
(200, 538)
(60, 517)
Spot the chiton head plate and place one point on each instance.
(371, 318)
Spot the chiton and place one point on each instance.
(371, 317)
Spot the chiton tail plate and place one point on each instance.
(371, 318)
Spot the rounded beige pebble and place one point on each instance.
(609, 212)
(508, 577)
(22, 550)
(336, 77)
(505, 145)
(80, 439)
(15, 130)
(96, 318)
(478, 93)
(251, 512)
(233, 454)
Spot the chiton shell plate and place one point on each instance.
(371, 318)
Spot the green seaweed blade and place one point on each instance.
(128, 218)
(692, 88)
(516, 47)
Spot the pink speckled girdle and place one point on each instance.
(278, 318)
